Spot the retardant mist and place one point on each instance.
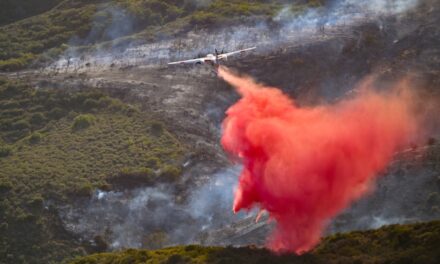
(304, 165)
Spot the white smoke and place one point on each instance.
(127, 219)
(379, 221)
(294, 29)
(387, 7)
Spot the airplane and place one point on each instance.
(211, 58)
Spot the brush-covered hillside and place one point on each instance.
(56, 146)
(416, 243)
(43, 37)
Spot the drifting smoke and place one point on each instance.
(109, 24)
(293, 29)
(344, 11)
(130, 219)
(306, 165)
(384, 6)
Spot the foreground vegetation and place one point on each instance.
(55, 146)
(82, 23)
(417, 243)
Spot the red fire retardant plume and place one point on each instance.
(305, 165)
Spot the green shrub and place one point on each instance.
(205, 18)
(85, 189)
(12, 112)
(116, 106)
(171, 173)
(132, 178)
(36, 202)
(21, 125)
(157, 128)
(137, 173)
(9, 90)
(153, 162)
(9, 104)
(35, 138)
(56, 113)
(19, 63)
(71, 115)
(83, 121)
(90, 104)
(104, 101)
(17, 134)
(37, 119)
(5, 151)
(5, 186)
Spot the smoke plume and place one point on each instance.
(131, 218)
(293, 29)
(306, 165)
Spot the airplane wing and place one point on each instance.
(225, 55)
(188, 61)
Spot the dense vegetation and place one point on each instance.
(21, 42)
(417, 243)
(55, 146)
(80, 23)
(13, 10)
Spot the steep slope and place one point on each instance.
(118, 23)
(56, 147)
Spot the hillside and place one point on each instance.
(104, 147)
(47, 35)
(117, 23)
(417, 243)
(58, 146)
